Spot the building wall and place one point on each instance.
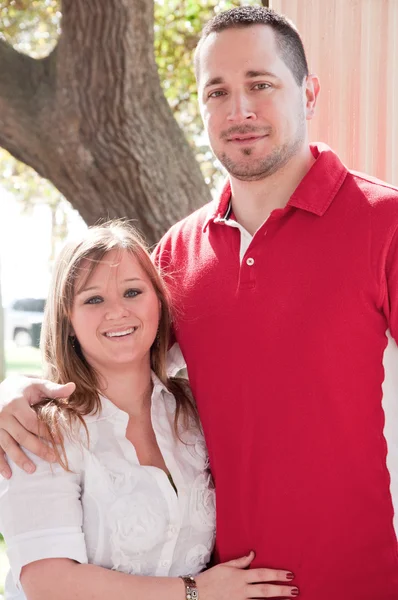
(353, 46)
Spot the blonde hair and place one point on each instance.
(62, 357)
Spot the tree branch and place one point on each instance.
(25, 90)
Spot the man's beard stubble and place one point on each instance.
(261, 168)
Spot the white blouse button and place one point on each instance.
(250, 261)
(165, 563)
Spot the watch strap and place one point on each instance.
(191, 590)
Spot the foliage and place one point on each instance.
(31, 26)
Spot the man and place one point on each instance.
(284, 291)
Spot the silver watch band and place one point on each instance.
(191, 591)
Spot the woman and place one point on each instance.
(128, 511)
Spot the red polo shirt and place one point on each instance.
(284, 353)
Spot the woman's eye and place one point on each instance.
(132, 293)
(94, 300)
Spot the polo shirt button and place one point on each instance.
(250, 261)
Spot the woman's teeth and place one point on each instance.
(120, 333)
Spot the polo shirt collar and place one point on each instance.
(315, 192)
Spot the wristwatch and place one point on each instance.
(191, 591)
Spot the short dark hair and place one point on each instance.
(288, 39)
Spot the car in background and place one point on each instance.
(23, 320)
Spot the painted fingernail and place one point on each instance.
(289, 576)
(6, 473)
(295, 592)
(28, 467)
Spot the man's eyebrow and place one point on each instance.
(214, 81)
(249, 75)
(253, 74)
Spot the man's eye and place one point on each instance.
(216, 94)
(261, 86)
(94, 300)
(131, 293)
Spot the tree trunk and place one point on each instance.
(92, 118)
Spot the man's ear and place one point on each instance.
(311, 88)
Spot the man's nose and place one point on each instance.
(241, 108)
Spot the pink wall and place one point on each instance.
(353, 46)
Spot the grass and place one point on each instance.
(3, 565)
(18, 360)
(22, 360)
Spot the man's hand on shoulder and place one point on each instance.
(19, 425)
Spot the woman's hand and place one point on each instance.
(231, 581)
(18, 421)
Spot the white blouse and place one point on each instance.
(111, 511)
